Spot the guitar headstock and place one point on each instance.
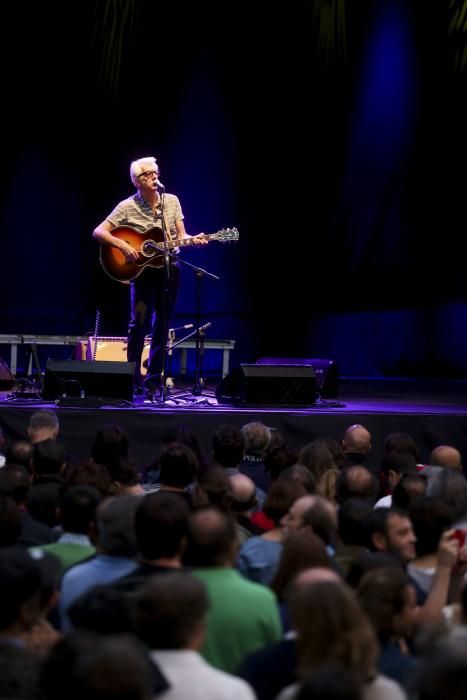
(226, 234)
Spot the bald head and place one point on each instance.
(446, 456)
(242, 488)
(316, 574)
(356, 439)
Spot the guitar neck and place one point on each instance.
(188, 241)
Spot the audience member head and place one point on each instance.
(213, 487)
(103, 609)
(356, 482)
(49, 458)
(357, 440)
(391, 531)
(451, 487)
(369, 561)
(302, 550)
(171, 612)
(280, 497)
(178, 466)
(161, 523)
(85, 665)
(317, 458)
(402, 442)
(332, 629)
(243, 493)
(43, 424)
(187, 436)
(257, 438)
(336, 451)
(446, 456)
(277, 459)
(443, 673)
(111, 444)
(15, 482)
(430, 518)
(352, 519)
(410, 488)
(78, 505)
(394, 465)
(212, 540)
(300, 473)
(389, 599)
(20, 452)
(28, 580)
(89, 473)
(115, 521)
(228, 446)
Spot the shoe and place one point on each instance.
(151, 386)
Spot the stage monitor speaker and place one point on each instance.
(79, 378)
(7, 380)
(325, 371)
(268, 385)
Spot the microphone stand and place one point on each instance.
(167, 256)
(199, 330)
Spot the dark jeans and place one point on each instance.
(150, 314)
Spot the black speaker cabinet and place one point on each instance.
(268, 385)
(82, 379)
(325, 371)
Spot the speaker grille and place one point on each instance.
(268, 385)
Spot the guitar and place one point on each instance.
(151, 248)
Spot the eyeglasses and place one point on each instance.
(149, 173)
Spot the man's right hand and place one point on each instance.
(131, 255)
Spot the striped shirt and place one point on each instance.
(137, 213)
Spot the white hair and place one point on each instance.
(140, 166)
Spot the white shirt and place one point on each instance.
(384, 502)
(190, 676)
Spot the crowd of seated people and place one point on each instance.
(262, 570)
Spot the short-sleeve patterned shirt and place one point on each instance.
(137, 213)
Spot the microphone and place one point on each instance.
(160, 185)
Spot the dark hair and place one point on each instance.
(382, 594)
(110, 445)
(178, 465)
(430, 518)
(15, 482)
(89, 473)
(211, 533)
(170, 610)
(20, 452)
(367, 561)
(302, 550)
(78, 508)
(352, 521)
(409, 489)
(161, 525)
(49, 456)
(214, 489)
(228, 445)
(279, 458)
(401, 442)
(282, 494)
(332, 629)
(302, 474)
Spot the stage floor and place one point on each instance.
(433, 412)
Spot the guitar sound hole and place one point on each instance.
(148, 248)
